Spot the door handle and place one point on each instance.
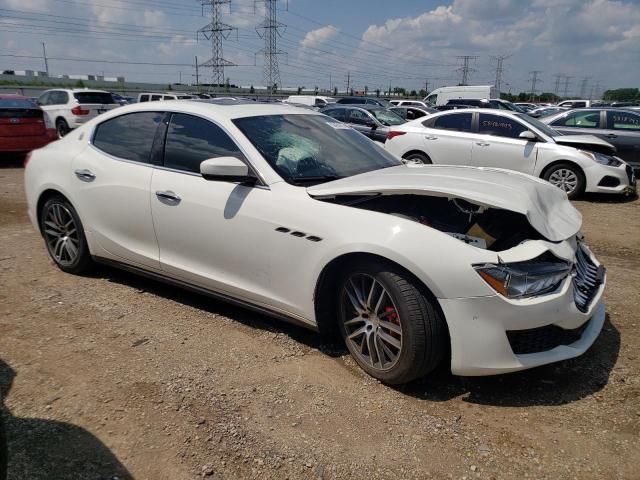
(168, 197)
(483, 144)
(85, 175)
(430, 137)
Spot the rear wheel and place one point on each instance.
(568, 178)
(62, 127)
(64, 236)
(418, 157)
(392, 330)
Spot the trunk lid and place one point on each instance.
(586, 142)
(546, 207)
(95, 103)
(21, 122)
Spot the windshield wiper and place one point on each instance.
(313, 179)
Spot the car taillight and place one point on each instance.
(79, 111)
(393, 134)
(27, 158)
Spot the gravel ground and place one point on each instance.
(114, 376)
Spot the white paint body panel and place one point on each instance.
(222, 236)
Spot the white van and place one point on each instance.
(310, 100)
(440, 96)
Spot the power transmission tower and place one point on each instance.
(583, 86)
(348, 83)
(466, 68)
(534, 81)
(567, 80)
(269, 30)
(499, 71)
(216, 31)
(426, 86)
(556, 89)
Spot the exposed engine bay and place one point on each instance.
(486, 228)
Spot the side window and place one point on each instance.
(128, 136)
(623, 121)
(460, 122)
(44, 98)
(169, 97)
(580, 119)
(144, 98)
(579, 104)
(191, 140)
(359, 117)
(155, 98)
(337, 113)
(58, 97)
(319, 102)
(499, 126)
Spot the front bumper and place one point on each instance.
(603, 179)
(478, 329)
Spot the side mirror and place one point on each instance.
(528, 135)
(227, 169)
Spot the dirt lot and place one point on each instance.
(114, 376)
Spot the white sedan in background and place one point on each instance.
(482, 138)
(292, 213)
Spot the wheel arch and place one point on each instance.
(548, 167)
(326, 285)
(44, 196)
(420, 152)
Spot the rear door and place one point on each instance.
(623, 131)
(95, 103)
(362, 122)
(448, 138)
(497, 144)
(581, 122)
(112, 179)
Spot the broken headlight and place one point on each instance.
(524, 279)
(603, 159)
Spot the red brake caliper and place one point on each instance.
(392, 316)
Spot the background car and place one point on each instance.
(576, 103)
(545, 111)
(494, 103)
(501, 139)
(23, 125)
(380, 102)
(526, 107)
(69, 108)
(291, 213)
(317, 101)
(620, 127)
(409, 103)
(412, 112)
(122, 100)
(372, 121)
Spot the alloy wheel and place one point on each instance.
(61, 234)
(371, 322)
(564, 179)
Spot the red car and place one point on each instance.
(22, 125)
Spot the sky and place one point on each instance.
(375, 43)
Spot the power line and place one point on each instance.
(466, 68)
(271, 30)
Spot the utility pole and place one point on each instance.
(269, 30)
(426, 86)
(583, 86)
(567, 79)
(216, 31)
(348, 82)
(330, 85)
(197, 75)
(466, 68)
(499, 71)
(534, 80)
(556, 89)
(46, 62)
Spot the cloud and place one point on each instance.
(33, 5)
(319, 36)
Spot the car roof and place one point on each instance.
(220, 110)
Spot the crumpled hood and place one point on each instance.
(545, 206)
(585, 141)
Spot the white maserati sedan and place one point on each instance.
(503, 139)
(292, 213)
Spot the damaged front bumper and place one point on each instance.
(492, 335)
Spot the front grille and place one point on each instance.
(588, 279)
(544, 338)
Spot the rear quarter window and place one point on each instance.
(129, 136)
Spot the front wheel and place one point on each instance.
(64, 236)
(392, 329)
(568, 178)
(418, 157)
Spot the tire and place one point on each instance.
(403, 326)
(418, 157)
(568, 177)
(64, 236)
(62, 127)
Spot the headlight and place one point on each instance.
(524, 279)
(603, 159)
